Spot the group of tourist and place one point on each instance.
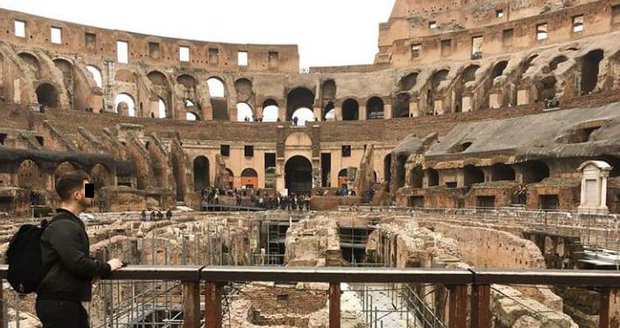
(156, 215)
(257, 199)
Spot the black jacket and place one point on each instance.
(65, 250)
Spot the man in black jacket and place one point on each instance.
(65, 250)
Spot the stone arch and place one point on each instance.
(298, 139)
(328, 96)
(408, 81)
(329, 112)
(162, 108)
(374, 108)
(47, 95)
(95, 73)
(249, 178)
(219, 99)
(32, 62)
(231, 178)
(471, 175)
(534, 171)
(432, 91)
(31, 176)
(502, 172)
(553, 64)
(590, 70)
(100, 176)
(66, 68)
(201, 173)
(350, 110)
(298, 175)
(498, 69)
(187, 81)
(243, 88)
(271, 111)
(297, 98)
(125, 104)
(468, 75)
(192, 116)
(158, 78)
(245, 113)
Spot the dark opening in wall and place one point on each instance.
(499, 68)
(508, 37)
(2, 138)
(408, 81)
(502, 172)
(225, 150)
(549, 202)
(534, 171)
(201, 173)
(417, 177)
(214, 56)
(374, 107)
(387, 171)
(583, 134)
(416, 201)
(326, 164)
(451, 184)
(274, 58)
(47, 95)
(90, 40)
(485, 201)
(472, 175)
(553, 65)
(350, 110)
(270, 170)
(590, 70)
(400, 171)
(346, 151)
(460, 147)
(39, 140)
(248, 151)
(432, 176)
(401, 105)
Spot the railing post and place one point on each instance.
(191, 304)
(457, 315)
(334, 305)
(481, 306)
(213, 305)
(609, 316)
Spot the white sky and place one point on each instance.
(328, 32)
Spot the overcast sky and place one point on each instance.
(328, 32)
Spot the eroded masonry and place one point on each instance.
(506, 108)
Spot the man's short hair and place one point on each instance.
(70, 182)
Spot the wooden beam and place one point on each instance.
(334, 305)
(609, 316)
(213, 305)
(457, 315)
(191, 304)
(481, 306)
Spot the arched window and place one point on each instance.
(216, 88)
(124, 101)
(244, 113)
(96, 73)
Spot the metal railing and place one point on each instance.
(214, 279)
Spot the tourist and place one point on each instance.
(66, 251)
(160, 215)
(168, 215)
(153, 215)
(143, 216)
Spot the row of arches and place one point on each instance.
(33, 176)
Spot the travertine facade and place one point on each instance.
(466, 101)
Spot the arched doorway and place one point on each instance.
(249, 178)
(201, 173)
(374, 108)
(299, 98)
(231, 178)
(298, 175)
(47, 95)
(350, 110)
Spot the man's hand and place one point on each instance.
(115, 264)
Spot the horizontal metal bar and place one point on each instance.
(335, 274)
(381, 275)
(549, 277)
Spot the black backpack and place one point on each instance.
(26, 270)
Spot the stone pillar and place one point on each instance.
(414, 111)
(523, 97)
(362, 113)
(387, 111)
(494, 101)
(438, 107)
(338, 113)
(317, 114)
(466, 102)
